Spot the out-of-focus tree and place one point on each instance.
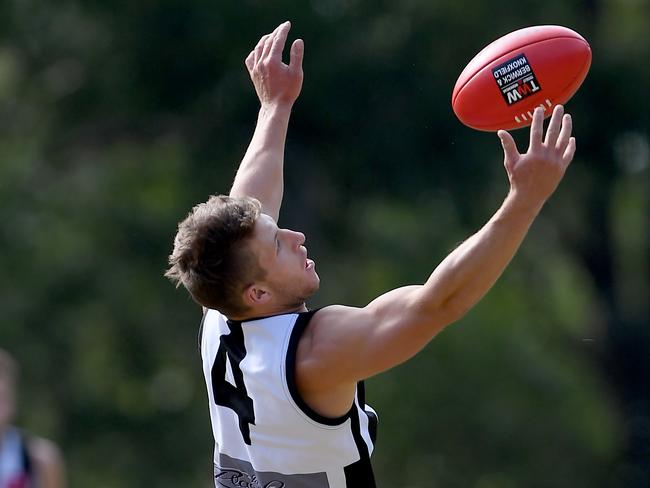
(116, 117)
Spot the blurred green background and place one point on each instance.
(116, 117)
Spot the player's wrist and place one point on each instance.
(276, 109)
(523, 204)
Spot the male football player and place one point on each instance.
(284, 383)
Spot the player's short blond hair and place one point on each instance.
(211, 257)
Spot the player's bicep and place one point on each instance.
(349, 344)
(397, 327)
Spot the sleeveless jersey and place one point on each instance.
(15, 465)
(265, 434)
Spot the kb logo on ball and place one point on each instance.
(515, 79)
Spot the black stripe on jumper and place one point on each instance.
(359, 474)
(298, 329)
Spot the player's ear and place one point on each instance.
(256, 295)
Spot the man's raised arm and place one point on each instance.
(260, 174)
(346, 344)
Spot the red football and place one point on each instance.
(536, 66)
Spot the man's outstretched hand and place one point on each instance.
(275, 82)
(535, 175)
(261, 172)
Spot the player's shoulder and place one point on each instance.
(323, 351)
(336, 314)
(328, 324)
(48, 461)
(43, 450)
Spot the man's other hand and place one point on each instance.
(276, 83)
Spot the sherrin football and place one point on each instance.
(536, 66)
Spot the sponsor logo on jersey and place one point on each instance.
(515, 79)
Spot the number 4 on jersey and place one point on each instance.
(231, 348)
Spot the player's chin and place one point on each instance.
(314, 284)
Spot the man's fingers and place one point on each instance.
(268, 43)
(297, 53)
(565, 134)
(509, 147)
(250, 61)
(569, 152)
(537, 128)
(266, 48)
(279, 39)
(554, 126)
(257, 52)
(260, 43)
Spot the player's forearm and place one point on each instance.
(467, 274)
(260, 174)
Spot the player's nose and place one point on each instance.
(299, 238)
